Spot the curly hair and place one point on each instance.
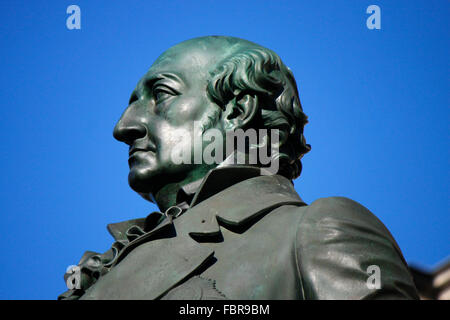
(252, 69)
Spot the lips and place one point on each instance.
(134, 149)
(134, 157)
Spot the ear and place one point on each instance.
(240, 111)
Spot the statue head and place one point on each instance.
(214, 82)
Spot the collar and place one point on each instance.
(224, 200)
(231, 195)
(224, 175)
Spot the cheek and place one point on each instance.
(174, 140)
(187, 109)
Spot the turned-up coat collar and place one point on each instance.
(233, 195)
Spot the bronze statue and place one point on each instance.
(232, 228)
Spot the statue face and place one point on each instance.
(161, 114)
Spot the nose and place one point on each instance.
(129, 128)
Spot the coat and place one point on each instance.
(250, 236)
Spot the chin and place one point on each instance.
(142, 180)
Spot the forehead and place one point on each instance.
(192, 62)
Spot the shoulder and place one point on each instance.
(339, 208)
(343, 214)
(337, 240)
(341, 219)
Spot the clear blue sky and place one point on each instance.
(377, 100)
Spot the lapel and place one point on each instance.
(152, 264)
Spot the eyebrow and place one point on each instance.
(150, 81)
(165, 75)
(146, 82)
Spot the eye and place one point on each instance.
(161, 93)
